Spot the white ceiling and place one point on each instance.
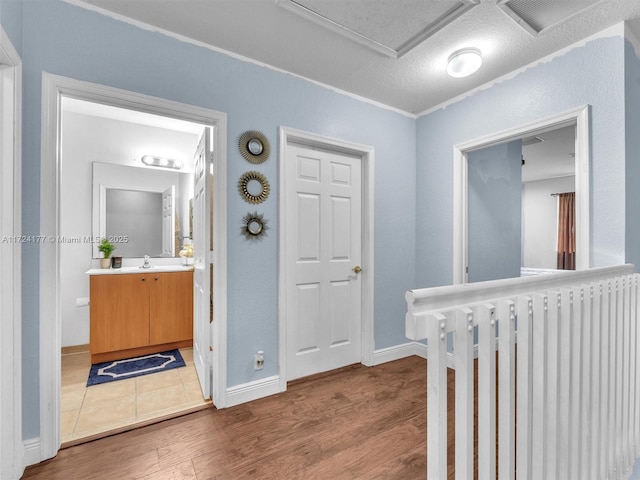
(553, 157)
(131, 116)
(123, 136)
(390, 51)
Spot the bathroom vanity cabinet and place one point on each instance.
(138, 313)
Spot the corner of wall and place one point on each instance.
(631, 33)
(11, 21)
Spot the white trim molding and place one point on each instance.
(247, 392)
(397, 352)
(580, 118)
(54, 87)
(289, 135)
(32, 453)
(254, 390)
(11, 447)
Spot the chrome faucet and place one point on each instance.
(146, 262)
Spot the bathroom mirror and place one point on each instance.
(145, 211)
(254, 146)
(253, 226)
(133, 218)
(254, 187)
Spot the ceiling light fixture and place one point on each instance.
(463, 63)
(161, 162)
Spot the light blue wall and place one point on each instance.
(66, 40)
(495, 212)
(591, 74)
(11, 21)
(413, 227)
(632, 178)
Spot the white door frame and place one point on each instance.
(299, 137)
(578, 116)
(53, 88)
(11, 446)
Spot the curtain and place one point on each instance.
(566, 231)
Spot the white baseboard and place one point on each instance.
(397, 352)
(420, 349)
(247, 392)
(31, 449)
(264, 387)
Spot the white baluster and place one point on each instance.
(507, 389)
(486, 315)
(436, 396)
(463, 351)
(552, 385)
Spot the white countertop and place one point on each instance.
(129, 270)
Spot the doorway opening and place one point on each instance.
(548, 171)
(577, 119)
(130, 203)
(58, 185)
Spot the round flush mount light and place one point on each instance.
(463, 63)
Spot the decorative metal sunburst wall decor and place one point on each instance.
(254, 146)
(254, 226)
(254, 187)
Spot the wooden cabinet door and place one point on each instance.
(119, 312)
(171, 307)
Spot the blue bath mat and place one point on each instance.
(134, 367)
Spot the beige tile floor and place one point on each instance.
(88, 411)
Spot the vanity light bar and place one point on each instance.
(161, 162)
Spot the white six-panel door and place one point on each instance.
(324, 254)
(202, 340)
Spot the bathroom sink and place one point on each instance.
(139, 269)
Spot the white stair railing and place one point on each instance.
(572, 385)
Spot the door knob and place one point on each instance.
(357, 269)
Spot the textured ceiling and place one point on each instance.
(390, 28)
(510, 35)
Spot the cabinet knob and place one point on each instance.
(155, 278)
(143, 279)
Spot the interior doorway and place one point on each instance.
(548, 170)
(56, 88)
(514, 189)
(579, 118)
(130, 202)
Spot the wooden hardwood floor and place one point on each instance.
(356, 423)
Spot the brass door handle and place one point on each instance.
(357, 269)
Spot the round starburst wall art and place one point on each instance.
(254, 146)
(254, 226)
(254, 187)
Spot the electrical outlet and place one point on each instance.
(258, 360)
(82, 302)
